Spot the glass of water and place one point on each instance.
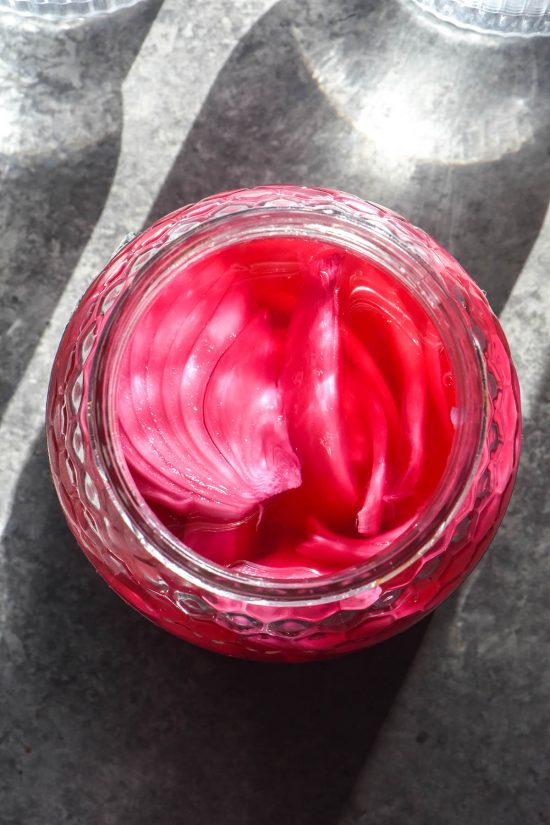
(63, 9)
(509, 17)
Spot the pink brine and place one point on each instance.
(283, 423)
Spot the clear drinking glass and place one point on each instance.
(64, 9)
(508, 17)
(231, 611)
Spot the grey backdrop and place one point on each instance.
(107, 124)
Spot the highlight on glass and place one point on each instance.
(283, 423)
(64, 10)
(517, 18)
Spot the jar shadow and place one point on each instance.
(447, 127)
(477, 714)
(150, 725)
(61, 104)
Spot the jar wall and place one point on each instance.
(236, 626)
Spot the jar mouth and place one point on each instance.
(400, 250)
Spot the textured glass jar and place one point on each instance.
(63, 10)
(233, 613)
(519, 18)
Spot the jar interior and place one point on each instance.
(332, 243)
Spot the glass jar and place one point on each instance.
(518, 18)
(232, 612)
(64, 10)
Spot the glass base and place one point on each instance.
(526, 18)
(64, 9)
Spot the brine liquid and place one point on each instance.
(286, 407)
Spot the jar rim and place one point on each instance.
(380, 236)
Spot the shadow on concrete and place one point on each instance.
(108, 719)
(61, 114)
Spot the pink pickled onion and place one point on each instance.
(284, 405)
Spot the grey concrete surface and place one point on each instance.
(105, 125)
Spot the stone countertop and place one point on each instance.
(105, 125)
